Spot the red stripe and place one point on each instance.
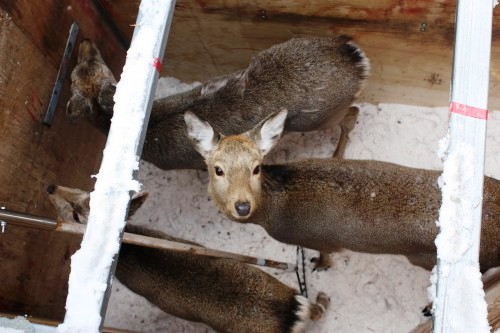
(157, 64)
(468, 111)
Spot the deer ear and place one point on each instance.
(201, 134)
(268, 132)
(136, 202)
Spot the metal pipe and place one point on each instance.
(61, 74)
(27, 220)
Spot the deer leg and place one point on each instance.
(105, 98)
(323, 262)
(317, 309)
(346, 126)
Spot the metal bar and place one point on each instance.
(115, 181)
(61, 74)
(44, 223)
(459, 291)
(163, 244)
(27, 220)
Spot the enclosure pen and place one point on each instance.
(92, 266)
(458, 297)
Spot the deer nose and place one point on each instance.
(242, 208)
(51, 188)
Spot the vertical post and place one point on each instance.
(459, 304)
(93, 265)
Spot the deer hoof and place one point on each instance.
(321, 264)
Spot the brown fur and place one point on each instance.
(330, 204)
(92, 87)
(315, 78)
(227, 295)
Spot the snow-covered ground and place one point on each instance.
(369, 293)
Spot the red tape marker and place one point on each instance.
(157, 64)
(468, 111)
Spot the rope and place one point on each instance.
(302, 282)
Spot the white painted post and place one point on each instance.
(459, 304)
(92, 266)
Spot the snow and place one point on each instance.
(369, 293)
(90, 265)
(16, 325)
(459, 286)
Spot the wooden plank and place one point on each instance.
(47, 23)
(34, 279)
(409, 42)
(34, 155)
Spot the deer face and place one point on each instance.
(234, 162)
(73, 205)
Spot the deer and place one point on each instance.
(315, 78)
(93, 86)
(225, 294)
(331, 204)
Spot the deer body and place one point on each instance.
(315, 78)
(330, 204)
(225, 294)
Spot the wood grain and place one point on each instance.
(35, 263)
(409, 42)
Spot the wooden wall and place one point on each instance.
(35, 263)
(409, 42)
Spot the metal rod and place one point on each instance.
(61, 74)
(27, 220)
(463, 175)
(37, 222)
(168, 245)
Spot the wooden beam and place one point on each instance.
(409, 42)
(32, 156)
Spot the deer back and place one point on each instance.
(327, 204)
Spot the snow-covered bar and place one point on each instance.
(93, 265)
(459, 304)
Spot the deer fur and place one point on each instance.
(92, 87)
(331, 204)
(315, 78)
(225, 294)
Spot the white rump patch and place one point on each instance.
(304, 314)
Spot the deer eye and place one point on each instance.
(218, 171)
(256, 171)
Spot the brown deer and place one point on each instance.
(92, 87)
(227, 295)
(331, 204)
(315, 78)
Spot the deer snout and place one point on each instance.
(51, 189)
(242, 208)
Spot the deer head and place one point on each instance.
(234, 162)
